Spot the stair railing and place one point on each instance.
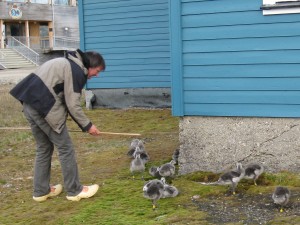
(65, 43)
(51, 44)
(2, 58)
(23, 50)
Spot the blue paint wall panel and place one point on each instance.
(123, 46)
(235, 18)
(108, 85)
(241, 31)
(246, 110)
(244, 44)
(250, 70)
(243, 57)
(133, 37)
(245, 97)
(242, 84)
(235, 61)
(176, 58)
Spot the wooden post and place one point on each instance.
(101, 132)
(1, 35)
(51, 44)
(27, 33)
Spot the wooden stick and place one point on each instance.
(111, 133)
(124, 134)
(107, 133)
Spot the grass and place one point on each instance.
(103, 160)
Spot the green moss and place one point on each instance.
(103, 160)
(202, 176)
(3, 181)
(292, 220)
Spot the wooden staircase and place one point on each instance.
(10, 59)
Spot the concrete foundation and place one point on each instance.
(217, 143)
(134, 97)
(90, 98)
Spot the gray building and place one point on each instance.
(46, 27)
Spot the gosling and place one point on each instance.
(167, 169)
(137, 165)
(169, 190)
(133, 145)
(154, 172)
(153, 190)
(253, 171)
(231, 177)
(281, 196)
(175, 155)
(143, 154)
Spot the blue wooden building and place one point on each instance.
(231, 60)
(134, 38)
(224, 61)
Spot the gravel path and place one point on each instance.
(13, 76)
(246, 209)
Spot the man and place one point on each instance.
(48, 96)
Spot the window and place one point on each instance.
(272, 7)
(16, 0)
(39, 1)
(61, 2)
(44, 30)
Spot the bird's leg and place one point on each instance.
(255, 181)
(143, 176)
(153, 204)
(281, 209)
(233, 188)
(133, 177)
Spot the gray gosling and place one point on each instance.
(253, 171)
(169, 190)
(175, 155)
(133, 145)
(281, 196)
(231, 177)
(153, 190)
(154, 172)
(143, 154)
(137, 165)
(167, 169)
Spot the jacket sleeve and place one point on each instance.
(73, 85)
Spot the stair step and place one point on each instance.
(12, 59)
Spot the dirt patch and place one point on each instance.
(245, 208)
(103, 160)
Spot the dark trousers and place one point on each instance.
(46, 138)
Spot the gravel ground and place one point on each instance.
(246, 209)
(239, 209)
(13, 76)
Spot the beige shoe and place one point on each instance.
(55, 190)
(87, 192)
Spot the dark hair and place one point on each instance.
(92, 59)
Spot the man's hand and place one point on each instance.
(94, 131)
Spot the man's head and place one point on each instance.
(96, 64)
(93, 61)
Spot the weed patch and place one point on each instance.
(103, 160)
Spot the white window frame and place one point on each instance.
(39, 1)
(275, 11)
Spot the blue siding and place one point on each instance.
(176, 58)
(235, 61)
(133, 37)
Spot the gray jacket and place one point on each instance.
(54, 90)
